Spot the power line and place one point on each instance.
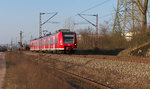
(91, 8)
(107, 15)
(95, 6)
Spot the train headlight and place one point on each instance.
(75, 44)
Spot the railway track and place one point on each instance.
(92, 84)
(78, 78)
(75, 80)
(117, 58)
(109, 57)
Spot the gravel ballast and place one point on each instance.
(116, 74)
(125, 68)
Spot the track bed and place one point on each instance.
(108, 71)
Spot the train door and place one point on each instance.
(39, 44)
(54, 42)
(49, 43)
(44, 43)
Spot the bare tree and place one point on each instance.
(143, 7)
(69, 24)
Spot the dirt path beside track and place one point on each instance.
(2, 68)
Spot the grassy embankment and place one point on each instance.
(22, 73)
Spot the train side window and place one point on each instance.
(56, 41)
(50, 41)
(38, 43)
(47, 42)
(43, 42)
(31, 44)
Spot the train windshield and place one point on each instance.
(68, 37)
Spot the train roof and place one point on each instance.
(57, 32)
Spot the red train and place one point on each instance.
(61, 42)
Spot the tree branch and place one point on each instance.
(145, 5)
(140, 6)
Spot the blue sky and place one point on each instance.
(23, 15)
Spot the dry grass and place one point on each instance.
(22, 73)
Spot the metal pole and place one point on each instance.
(11, 45)
(97, 25)
(40, 31)
(96, 30)
(40, 28)
(116, 17)
(20, 38)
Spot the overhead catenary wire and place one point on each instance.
(107, 15)
(95, 6)
(102, 3)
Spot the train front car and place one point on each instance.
(68, 42)
(63, 41)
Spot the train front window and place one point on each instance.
(68, 38)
